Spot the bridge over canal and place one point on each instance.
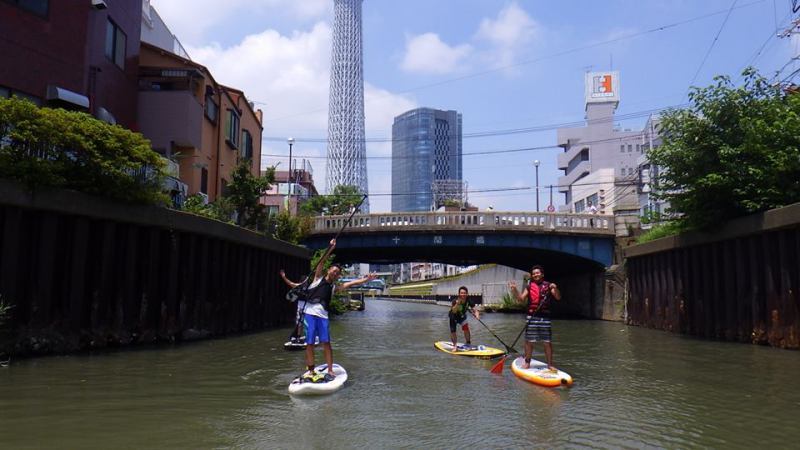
(564, 243)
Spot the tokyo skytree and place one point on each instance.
(347, 153)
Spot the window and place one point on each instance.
(630, 148)
(38, 7)
(204, 181)
(232, 129)
(579, 206)
(115, 44)
(211, 109)
(622, 148)
(593, 200)
(638, 148)
(247, 145)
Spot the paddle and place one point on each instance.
(299, 290)
(498, 368)
(508, 349)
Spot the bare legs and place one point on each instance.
(327, 349)
(548, 354)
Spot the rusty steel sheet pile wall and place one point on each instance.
(738, 284)
(83, 273)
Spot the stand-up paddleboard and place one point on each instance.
(298, 386)
(295, 344)
(538, 373)
(477, 351)
(298, 343)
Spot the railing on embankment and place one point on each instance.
(739, 283)
(84, 273)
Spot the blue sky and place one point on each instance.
(502, 64)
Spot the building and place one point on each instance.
(190, 118)
(291, 191)
(156, 32)
(78, 55)
(347, 153)
(651, 208)
(600, 162)
(426, 159)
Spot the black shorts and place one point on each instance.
(456, 320)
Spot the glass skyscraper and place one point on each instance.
(426, 152)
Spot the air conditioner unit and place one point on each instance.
(99, 4)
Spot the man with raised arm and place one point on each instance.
(320, 294)
(538, 292)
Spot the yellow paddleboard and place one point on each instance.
(539, 374)
(476, 351)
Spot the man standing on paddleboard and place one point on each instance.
(458, 316)
(320, 294)
(538, 328)
(301, 309)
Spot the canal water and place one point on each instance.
(634, 388)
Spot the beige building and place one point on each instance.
(189, 117)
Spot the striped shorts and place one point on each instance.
(538, 329)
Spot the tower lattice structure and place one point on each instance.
(347, 153)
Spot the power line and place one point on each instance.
(714, 42)
(504, 132)
(482, 152)
(545, 57)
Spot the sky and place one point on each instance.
(504, 65)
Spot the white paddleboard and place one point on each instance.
(300, 387)
(538, 373)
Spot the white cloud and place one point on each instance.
(191, 28)
(427, 54)
(512, 31)
(288, 77)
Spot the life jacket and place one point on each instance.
(321, 293)
(539, 294)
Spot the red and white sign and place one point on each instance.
(602, 87)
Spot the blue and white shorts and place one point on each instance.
(538, 329)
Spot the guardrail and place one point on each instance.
(490, 220)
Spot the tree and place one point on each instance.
(344, 198)
(733, 151)
(244, 192)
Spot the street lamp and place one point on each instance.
(536, 164)
(289, 179)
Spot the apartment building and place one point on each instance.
(191, 118)
(79, 54)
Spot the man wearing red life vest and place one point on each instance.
(538, 329)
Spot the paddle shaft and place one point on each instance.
(508, 349)
(314, 270)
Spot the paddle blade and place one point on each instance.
(498, 368)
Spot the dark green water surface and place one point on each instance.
(634, 388)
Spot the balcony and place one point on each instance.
(167, 117)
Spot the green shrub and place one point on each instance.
(510, 304)
(659, 231)
(56, 148)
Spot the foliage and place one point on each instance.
(661, 230)
(344, 198)
(221, 210)
(449, 202)
(511, 304)
(244, 192)
(55, 148)
(734, 151)
(5, 309)
(288, 228)
(336, 306)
